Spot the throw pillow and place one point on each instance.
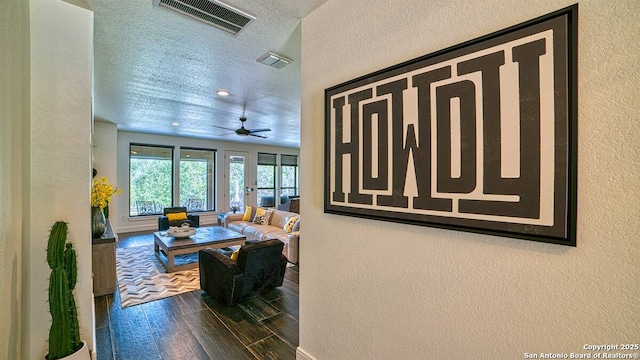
(247, 214)
(234, 256)
(288, 227)
(177, 216)
(264, 218)
(296, 226)
(259, 212)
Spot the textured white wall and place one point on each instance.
(378, 290)
(105, 155)
(59, 162)
(14, 112)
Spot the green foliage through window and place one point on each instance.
(196, 179)
(289, 177)
(150, 179)
(236, 182)
(267, 164)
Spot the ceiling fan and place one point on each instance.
(242, 131)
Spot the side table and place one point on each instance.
(221, 217)
(103, 252)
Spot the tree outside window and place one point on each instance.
(150, 179)
(267, 164)
(197, 185)
(289, 176)
(236, 182)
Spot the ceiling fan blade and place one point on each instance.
(259, 130)
(260, 136)
(220, 127)
(231, 133)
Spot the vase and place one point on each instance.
(98, 222)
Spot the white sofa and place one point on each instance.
(274, 230)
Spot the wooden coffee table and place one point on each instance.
(167, 247)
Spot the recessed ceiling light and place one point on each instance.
(223, 93)
(175, 123)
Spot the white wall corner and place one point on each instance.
(59, 163)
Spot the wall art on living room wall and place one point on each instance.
(478, 137)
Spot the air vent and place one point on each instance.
(210, 12)
(274, 60)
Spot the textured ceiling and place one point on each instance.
(154, 67)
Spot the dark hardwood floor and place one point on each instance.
(195, 326)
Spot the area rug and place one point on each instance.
(141, 277)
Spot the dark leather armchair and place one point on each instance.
(163, 221)
(293, 205)
(260, 268)
(268, 201)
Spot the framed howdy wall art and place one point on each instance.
(479, 137)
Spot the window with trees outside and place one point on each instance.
(197, 179)
(150, 179)
(288, 176)
(267, 164)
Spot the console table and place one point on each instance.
(103, 251)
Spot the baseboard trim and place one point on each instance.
(148, 227)
(136, 228)
(303, 355)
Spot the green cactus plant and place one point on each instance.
(64, 335)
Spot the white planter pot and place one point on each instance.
(82, 354)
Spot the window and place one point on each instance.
(197, 180)
(288, 177)
(150, 179)
(267, 164)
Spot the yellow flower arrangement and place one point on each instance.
(101, 192)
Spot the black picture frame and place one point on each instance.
(478, 137)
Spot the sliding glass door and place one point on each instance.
(236, 180)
